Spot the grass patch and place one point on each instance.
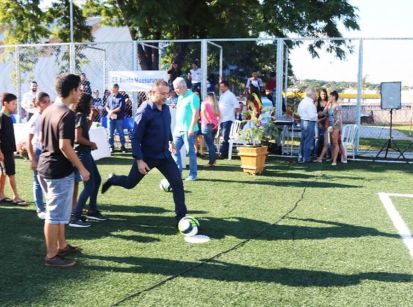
(337, 247)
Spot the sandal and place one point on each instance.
(19, 202)
(6, 200)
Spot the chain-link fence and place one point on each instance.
(286, 64)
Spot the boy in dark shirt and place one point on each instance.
(7, 149)
(56, 169)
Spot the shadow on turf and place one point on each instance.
(224, 271)
(244, 228)
(296, 183)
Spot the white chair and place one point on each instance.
(234, 136)
(348, 135)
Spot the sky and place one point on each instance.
(383, 60)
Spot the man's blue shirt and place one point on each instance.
(117, 101)
(151, 132)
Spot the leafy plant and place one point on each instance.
(256, 130)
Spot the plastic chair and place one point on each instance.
(348, 135)
(234, 137)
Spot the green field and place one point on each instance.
(300, 235)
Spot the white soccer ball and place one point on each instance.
(165, 186)
(188, 226)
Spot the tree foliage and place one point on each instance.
(167, 19)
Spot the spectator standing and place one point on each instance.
(228, 106)
(322, 123)
(29, 101)
(209, 125)
(116, 112)
(7, 149)
(270, 88)
(56, 169)
(152, 147)
(97, 104)
(187, 115)
(173, 73)
(83, 148)
(308, 118)
(335, 122)
(85, 84)
(255, 81)
(195, 76)
(34, 149)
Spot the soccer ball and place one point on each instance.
(188, 226)
(164, 185)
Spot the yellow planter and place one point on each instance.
(253, 159)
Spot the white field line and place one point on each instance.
(397, 220)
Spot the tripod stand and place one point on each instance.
(390, 143)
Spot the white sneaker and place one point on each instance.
(41, 215)
(344, 161)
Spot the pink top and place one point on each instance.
(211, 118)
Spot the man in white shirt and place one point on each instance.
(195, 75)
(228, 105)
(308, 115)
(28, 101)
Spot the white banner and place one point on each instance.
(136, 81)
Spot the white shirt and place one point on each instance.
(35, 129)
(28, 101)
(196, 75)
(307, 109)
(227, 105)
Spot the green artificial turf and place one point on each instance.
(299, 235)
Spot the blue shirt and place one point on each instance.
(187, 105)
(151, 132)
(117, 101)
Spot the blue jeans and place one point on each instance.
(90, 187)
(180, 139)
(37, 189)
(169, 169)
(209, 137)
(225, 130)
(118, 125)
(307, 139)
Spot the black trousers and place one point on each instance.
(169, 169)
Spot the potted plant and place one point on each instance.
(256, 134)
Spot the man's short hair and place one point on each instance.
(311, 91)
(225, 83)
(116, 85)
(7, 97)
(179, 83)
(35, 82)
(160, 82)
(40, 96)
(65, 83)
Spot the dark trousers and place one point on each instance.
(169, 169)
(225, 130)
(90, 187)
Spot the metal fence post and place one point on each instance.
(279, 85)
(204, 66)
(18, 82)
(72, 60)
(359, 94)
(135, 55)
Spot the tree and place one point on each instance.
(167, 19)
(23, 22)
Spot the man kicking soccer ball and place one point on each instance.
(152, 147)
